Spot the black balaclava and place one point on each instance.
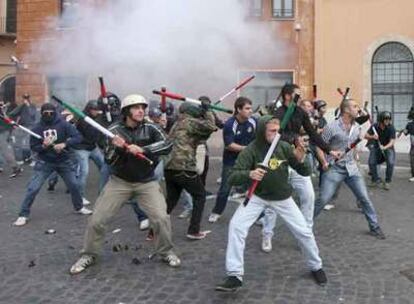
(48, 119)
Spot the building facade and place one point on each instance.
(7, 49)
(366, 45)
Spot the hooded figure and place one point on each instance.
(55, 130)
(273, 193)
(277, 173)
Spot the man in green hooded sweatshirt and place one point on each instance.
(273, 191)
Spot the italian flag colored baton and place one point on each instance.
(191, 100)
(265, 163)
(351, 147)
(80, 115)
(104, 96)
(236, 88)
(16, 125)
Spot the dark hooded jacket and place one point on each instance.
(65, 132)
(275, 185)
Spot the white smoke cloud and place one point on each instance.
(193, 47)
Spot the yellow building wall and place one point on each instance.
(347, 33)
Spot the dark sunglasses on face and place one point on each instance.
(49, 113)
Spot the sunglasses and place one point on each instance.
(48, 112)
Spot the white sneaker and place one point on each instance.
(186, 213)
(267, 244)
(84, 262)
(85, 202)
(144, 225)
(21, 221)
(172, 260)
(411, 179)
(237, 195)
(84, 211)
(328, 207)
(213, 217)
(218, 181)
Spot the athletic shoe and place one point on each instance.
(85, 202)
(328, 207)
(375, 184)
(51, 187)
(230, 284)
(213, 217)
(84, 211)
(411, 179)
(218, 181)
(16, 172)
(172, 260)
(21, 221)
(237, 195)
(267, 244)
(320, 277)
(377, 232)
(84, 262)
(387, 186)
(197, 236)
(144, 224)
(1, 170)
(185, 214)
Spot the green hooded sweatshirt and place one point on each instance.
(275, 185)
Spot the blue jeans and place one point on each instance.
(83, 157)
(332, 178)
(42, 170)
(224, 190)
(22, 145)
(375, 157)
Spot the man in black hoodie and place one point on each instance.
(57, 135)
(88, 148)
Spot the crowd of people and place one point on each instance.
(155, 144)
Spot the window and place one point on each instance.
(393, 81)
(69, 13)
(283, 9)
(8, 16)
(70, 89)
(255, 8)
(8, 89)
(265, 87)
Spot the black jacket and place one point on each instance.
(90, 136)
(300, 118)
(125, 165)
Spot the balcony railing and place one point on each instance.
(283, 13)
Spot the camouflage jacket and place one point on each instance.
(186, 134)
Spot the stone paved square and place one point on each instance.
(361, 269)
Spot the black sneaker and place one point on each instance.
(320, 277)
(377, 232)
(230, 284)
(51, 187)
(16, 172)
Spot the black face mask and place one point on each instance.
(48, 118)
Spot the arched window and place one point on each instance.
(393, 81)
(8, 89)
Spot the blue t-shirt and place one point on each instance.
(239, 133)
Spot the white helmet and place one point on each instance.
(132, 100)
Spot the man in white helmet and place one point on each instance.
(131, 177)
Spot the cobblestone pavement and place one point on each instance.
(361, 269)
